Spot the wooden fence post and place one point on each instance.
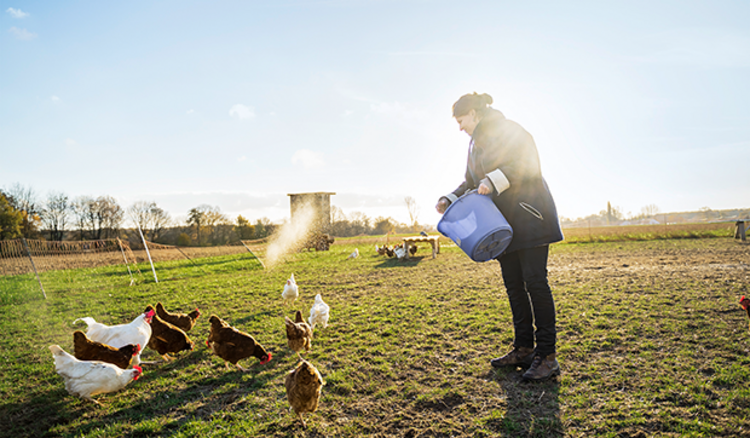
(739, 230)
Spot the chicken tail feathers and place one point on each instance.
(88, 320)
(298, 317)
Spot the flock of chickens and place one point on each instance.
(397, 251)
(103, 356)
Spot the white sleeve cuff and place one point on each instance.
(499, 180)
(451, 197)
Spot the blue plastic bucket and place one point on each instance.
(477, 226)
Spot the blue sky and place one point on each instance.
(238, 103)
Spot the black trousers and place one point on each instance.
(525, 278)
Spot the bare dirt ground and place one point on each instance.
(700, 259)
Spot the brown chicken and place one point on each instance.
(745, 304)
(234, 345)
(184, 321)
(166, 338)
(303, 388)
(86, 349)
(298, 333)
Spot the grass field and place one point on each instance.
(651, 342)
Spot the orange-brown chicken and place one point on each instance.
(303, 387)
(86, 349)
(745, 304)
(166, 338)
(184, 321)
(234, 345)
(298, 333)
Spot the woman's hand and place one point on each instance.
(484, 189)
(442, 205)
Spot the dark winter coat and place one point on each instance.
(504, 154)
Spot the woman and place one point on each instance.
(504, 164)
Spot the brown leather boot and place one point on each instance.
(519, 356)
(542, 368)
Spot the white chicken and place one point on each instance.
(319, 313)
(86, 378)
(291, 291)
(400, 252)
(354, 254)
(137, 331)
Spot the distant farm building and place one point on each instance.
(317, 205)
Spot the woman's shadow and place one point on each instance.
(533, 408)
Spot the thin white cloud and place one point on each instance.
(347, 113)
(55, 99)
(190, 111)
(70, 142)
(308, 159)
(17, 13)
(241, 112)
(242, 158)
(21, 34)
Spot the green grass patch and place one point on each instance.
(651, 342)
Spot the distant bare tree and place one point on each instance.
(611, 214)
(80, 209)
(206, 218)
(150, 218)
(337, 214)
(109, 216)
(219, 226)
(411, 205)
(160, 221)
(650, 210)
(55, 215)
(101, 217)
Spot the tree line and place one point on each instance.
(59, 217)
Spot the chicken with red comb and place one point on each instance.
(137, 332)
(745, 304)
(234, 345)
(87, 378)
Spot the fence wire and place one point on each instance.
(39, 266)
